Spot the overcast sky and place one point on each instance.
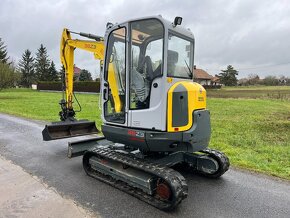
(253, 36)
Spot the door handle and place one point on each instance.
(105, 91)
(105, 94)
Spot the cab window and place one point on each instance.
(180, 57)
(146, 62)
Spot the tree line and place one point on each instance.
(30, 70)
(228, 77)
(254, 79)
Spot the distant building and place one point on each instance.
(77, 72)
(282, 81)
(202, 77)
(205, 79)
(215, 81)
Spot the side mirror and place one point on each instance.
(177, 21)
(109, 25)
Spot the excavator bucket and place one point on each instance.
(67, 129)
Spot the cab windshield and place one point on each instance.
(180, 56)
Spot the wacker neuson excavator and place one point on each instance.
(154, 115)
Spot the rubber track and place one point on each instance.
(173, 178)
(221, 158)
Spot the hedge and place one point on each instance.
(86, 86)
(212, 86)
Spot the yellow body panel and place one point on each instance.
(196, 101)
(114, 88)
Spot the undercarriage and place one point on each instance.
(147, 176)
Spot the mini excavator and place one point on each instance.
(154, 116)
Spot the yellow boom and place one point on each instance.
(67, 47)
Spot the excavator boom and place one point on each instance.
(69, 126)
(67, 47)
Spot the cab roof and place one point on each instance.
(179, 29)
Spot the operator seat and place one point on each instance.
(148, 68)
(172, 60)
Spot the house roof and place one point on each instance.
(215, 79)
(201, 74)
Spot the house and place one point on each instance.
(202, 77)
(205, 79)
(215, 81)
(77, 72)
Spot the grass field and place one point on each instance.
(44, 105)
(263, 92)
(253, 131)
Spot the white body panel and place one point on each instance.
(155, 116)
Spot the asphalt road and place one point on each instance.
(236, 194)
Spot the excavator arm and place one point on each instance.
(67, 47)
(69, 126)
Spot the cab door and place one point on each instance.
(146, 93)
(114, 80)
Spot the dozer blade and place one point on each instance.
(67, 129)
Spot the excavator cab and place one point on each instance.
(150, 57)
(149, 99)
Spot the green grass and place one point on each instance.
(259, 87)
(44, 105)
(254, 133)
(264, 92)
